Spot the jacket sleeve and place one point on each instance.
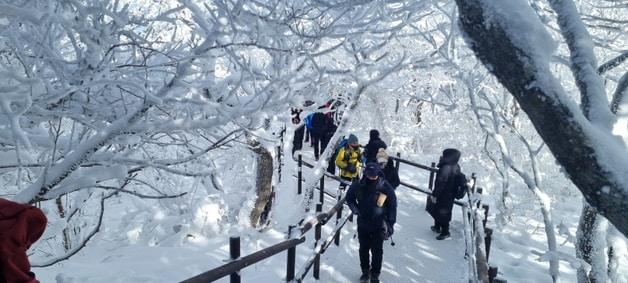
(351, 200)
(391, 204)
(340, 158)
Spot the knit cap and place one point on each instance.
(352, 138)
(381, 156)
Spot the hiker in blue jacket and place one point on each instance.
(374, 201)
(443, 194)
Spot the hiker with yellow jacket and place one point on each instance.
(348, 160)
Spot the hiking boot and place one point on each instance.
(374, 278)
(435, 229)
(443, 236)
(365, 277)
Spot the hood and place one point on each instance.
(374, 134)
(450, 156)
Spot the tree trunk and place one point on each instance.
(569, 137)
(263, 182)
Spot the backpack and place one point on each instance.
(341, 144)
(461, 185)
(331, 168)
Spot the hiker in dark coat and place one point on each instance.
(374, 144)
(387, 166)
(374, 201)
(328, 132)
(297, 141)
(443, 194)
(316, 124)
(21, 225)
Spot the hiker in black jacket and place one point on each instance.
(374, 144)
(374, 201)
(319, 126)
(387, 166)
(297, 141)
(443, 194)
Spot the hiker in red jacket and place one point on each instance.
(21, 225)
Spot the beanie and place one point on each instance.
(352, 138)
(381, 156)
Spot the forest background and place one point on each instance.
(150, 103)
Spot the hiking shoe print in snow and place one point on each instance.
(443, 236)
(364, 278)
(435, 229)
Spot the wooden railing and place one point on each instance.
(477, 236)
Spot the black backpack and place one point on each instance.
(461, 185)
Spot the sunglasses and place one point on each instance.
(383, 163)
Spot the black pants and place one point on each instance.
(442, 217)
(297, 142)
(371, 242)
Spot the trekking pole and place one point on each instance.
(392, 242)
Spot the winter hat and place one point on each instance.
(374, 134)
(371, 169)
(381, 156)
(352, 138)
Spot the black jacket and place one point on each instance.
(391, 174)
(445, 182)
(362, 200)
(374, 144)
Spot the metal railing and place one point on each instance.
(477, 236)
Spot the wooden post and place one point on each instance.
(397, 162)
(492, 275)
(485, 207)
(279, 159)
(488, 235)
(234, 253)
(432, 176)
(321, 192)
(317, 237)
(299, 173)
(290, 266)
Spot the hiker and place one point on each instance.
(374, 202)
(442, 197)
(21, 225)
(348, 160)
(374, 144)
(387, 166)
(297, 141)
(328, 132)
(316, 124)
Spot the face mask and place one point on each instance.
(369, 182)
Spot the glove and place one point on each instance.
(351, 168)
(390, 228)
(433, 199)
(355, 212)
